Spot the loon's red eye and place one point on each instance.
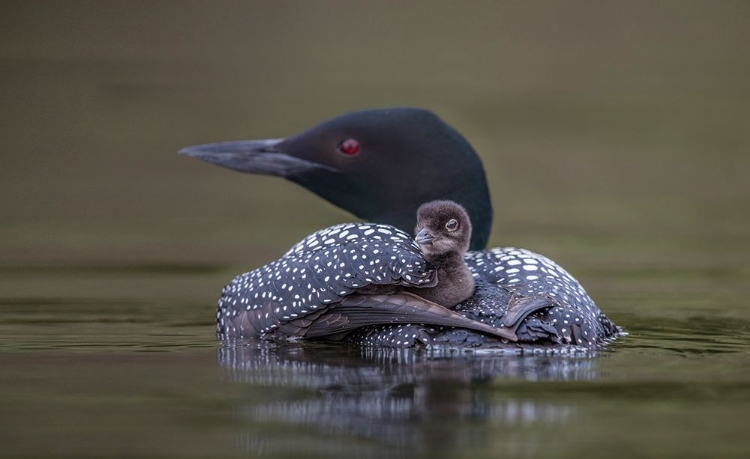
(349, 147)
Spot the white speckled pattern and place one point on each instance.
(325, 267)
(570, 318)
(317, 273)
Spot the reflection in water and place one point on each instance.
(415, 400)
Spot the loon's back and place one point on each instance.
(524, 291)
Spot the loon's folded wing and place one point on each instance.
(357, 311)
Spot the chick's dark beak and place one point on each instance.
(423, 237)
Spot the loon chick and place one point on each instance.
(381, 165)
(342, 278)
(443, 233)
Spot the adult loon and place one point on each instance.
(381, 165)
(348, 276)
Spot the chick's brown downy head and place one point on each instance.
(443, 230)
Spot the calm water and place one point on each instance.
(616, 140)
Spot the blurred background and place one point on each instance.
(616, 138)
(626, 122)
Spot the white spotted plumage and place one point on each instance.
(572, 317)
(316, 273)
(528, 273)
(326, 266)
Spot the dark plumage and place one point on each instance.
(334, 281)
(381, 165)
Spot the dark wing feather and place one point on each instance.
(357, 311)
(520, 306)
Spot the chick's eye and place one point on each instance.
(349, 147)
(452, 225)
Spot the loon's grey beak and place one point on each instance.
(253, 156)
(423, 237)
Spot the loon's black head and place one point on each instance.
(443, 231)
(380, 165)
